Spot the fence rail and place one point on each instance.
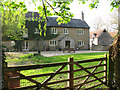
(73, 67)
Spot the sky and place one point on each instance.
(90, 15)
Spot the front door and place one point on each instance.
(67, 44)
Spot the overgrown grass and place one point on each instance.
(37, 59)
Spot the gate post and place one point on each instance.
(70, 74)
(111, 68)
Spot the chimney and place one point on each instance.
(82, 16)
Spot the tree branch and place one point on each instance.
(54, 9)
(44, 9)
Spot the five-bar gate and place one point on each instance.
(68, 75)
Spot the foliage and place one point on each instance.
(95, 3)
(13, 19)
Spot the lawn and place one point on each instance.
(29, 59)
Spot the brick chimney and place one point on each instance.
(82, 16)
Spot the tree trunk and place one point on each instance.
(39, 44)
(0, 53)
(117, 62)
(116, 57)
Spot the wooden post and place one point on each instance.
(70, 74)
(5, 76)
(105, 68)
(111, 69)
(6, 80)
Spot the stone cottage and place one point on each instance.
(74, 34)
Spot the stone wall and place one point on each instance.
(72, 33)
(99, 48)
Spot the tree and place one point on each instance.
(0, 53)
(98, 23)
(10, 23)
(114, 19)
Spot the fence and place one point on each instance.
(73, 75)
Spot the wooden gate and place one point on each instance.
(73, 75)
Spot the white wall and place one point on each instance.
(95, 41)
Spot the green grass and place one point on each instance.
(37, 59)
(29, 59)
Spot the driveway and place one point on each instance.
(57, 53)
(54, 53)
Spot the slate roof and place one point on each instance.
(98, 33)
(75, 23)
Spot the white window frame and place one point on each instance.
(65, 31)
(80, 31)
(36, 31)
(53, 31)
(52, 43)
(80, 43)
(25, 45)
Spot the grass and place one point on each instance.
(29, 59)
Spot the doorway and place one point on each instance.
(67, 44)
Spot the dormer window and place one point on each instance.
(65, 31)
(36, 31)
(53, 31)
(80, 31)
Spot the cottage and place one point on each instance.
(74, 34)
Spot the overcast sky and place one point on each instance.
(91, 15)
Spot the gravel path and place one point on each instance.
(57, 53)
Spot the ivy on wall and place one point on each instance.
(31, 25)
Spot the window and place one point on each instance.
(36, 31)
(80, 31)
(53, 31)
(80, 43)
(52, 43)
(65, 31)
(25, 45)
